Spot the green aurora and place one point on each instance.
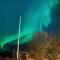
(37, 18)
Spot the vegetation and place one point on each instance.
(50, 49)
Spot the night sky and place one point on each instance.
(37, 16)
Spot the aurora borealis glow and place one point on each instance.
(35, 14)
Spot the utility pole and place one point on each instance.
(18, 39)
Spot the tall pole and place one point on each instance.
(18, 39)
